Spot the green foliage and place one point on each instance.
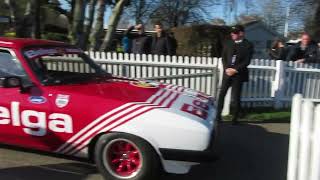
(264, 115)
(55, 36)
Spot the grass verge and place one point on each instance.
(264, 115)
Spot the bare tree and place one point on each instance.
(274, 14)
(36, 28)
(113, 23)
(97, 32)
(12, 9)
(89, 22)
(76, 31)
(244, 19)
(218, 22)
(179, 13)
(140, 10)
(31, 20)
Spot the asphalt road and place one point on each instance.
(246, 152)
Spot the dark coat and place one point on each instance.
(140, 44)
(279, 53)
(161, 45)
(244, 55)
(310, 54)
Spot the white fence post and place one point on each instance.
(305, 134)
(315, 159)
(294, 137)
(304, 147)
(278, 86)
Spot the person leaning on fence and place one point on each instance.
(161, 43)
(278, 50)
(305, 51)
(236, 56)
(318, 53)
(141, 43)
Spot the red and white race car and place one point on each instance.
(131, 129)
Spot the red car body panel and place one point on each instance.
(87, 101)
(53, 117)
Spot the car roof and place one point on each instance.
(24, 42)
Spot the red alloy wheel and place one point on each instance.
(124, 158)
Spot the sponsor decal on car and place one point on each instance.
(62, 100)
(35, 53)
(145, 84)
(35, 123)
(37, 99)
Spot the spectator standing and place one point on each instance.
(236, 57)
(161, 44)
(173, 43)
(305, 51)
(141, 43)
(278, 50)
(126, 44)
(318, 54)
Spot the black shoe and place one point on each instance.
(235, 123)
(219, 119)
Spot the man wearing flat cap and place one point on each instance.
(236, 57)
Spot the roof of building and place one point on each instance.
(253, 24)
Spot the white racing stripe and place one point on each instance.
(95, 130)
(91, 125)
(102, 124)
(169, 99)
(110, 127)
(64, 148)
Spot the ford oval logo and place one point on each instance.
(37, 99)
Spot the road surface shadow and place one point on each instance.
(246, 152)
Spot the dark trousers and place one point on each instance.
(236, 83)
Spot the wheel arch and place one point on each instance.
(94, 140)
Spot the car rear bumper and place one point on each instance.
(189, 155)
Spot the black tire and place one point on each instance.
(150, 168)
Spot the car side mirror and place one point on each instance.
(11, 82)
(14, 82)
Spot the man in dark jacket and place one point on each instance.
(160, 42)
(303, 52)
(141, 43)
(236, 57)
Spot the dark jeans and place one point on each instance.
(236, 84)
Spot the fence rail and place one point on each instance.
(304, 148)
(272, 83)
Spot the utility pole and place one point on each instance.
(286, 26)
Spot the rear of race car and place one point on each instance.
(175, 127)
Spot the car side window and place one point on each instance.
(11, 66)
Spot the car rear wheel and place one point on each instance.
(122, 156)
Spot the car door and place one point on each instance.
(23, 115)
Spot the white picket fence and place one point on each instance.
(304, 148)
(272, 83)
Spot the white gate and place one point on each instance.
(304, 148)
